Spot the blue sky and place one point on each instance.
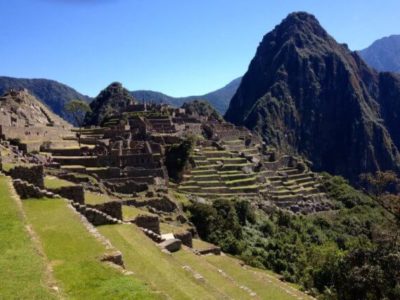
(179, 47)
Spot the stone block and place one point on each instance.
(171, 245)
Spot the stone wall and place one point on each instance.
(32, 133)
(185, 237)
(114, 209)
(149, 222)
(33, 174)
(126, 187)
(95, 216)
(74, 193)
(27, 190)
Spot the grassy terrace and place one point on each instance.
(131, 212)
(96, 198)
(239, 181)
(263, 283)
(51, 182)
(170, 228)
(22, 274)
(184, 275)
(160, 270)
(74, 255)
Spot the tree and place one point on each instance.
(78, 110)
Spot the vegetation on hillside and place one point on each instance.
(202, 108)
(177, 158)
(349, 253)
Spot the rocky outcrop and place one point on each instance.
(305, 93)
(18, 108)
(51, 93)
(114, 257)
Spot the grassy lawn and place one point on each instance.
(96, 198)
(162, 271)
(22, 270)
(201, 245)
(212, 276)
(131, 212)
(51, 182)
(263, 283)
(74, 255)
(170, 228)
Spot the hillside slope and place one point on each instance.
(305, 93)
(383, 54)
(52, 93)
(112, 100)
(21, 109)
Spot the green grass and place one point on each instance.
(160, 270)
(74, 255)
(174, 275)
(181, 198)
(22, 270)
(51, 182)
(8, 166)
(130, 212)
(263, 283)
(96, 198)
(169, 228)
(213, 278)
(201, 245)
(244, 180)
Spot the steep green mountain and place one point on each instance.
(202, 108)
(112, 100)
(305, 93)
(219, 99)
(52, 93)
(383, 54)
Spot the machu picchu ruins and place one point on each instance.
(144, 155)
(119, 172)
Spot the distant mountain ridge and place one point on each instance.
(219, 99)
(52, 93)
(55, 94)
(305, 93)
(383, 54)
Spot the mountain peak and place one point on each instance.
(301, 23)
(112, 100)
(302, 87)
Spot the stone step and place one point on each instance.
(207, 177)
(242, 182)
(236, 176)
(231, 167)
(214, 183)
